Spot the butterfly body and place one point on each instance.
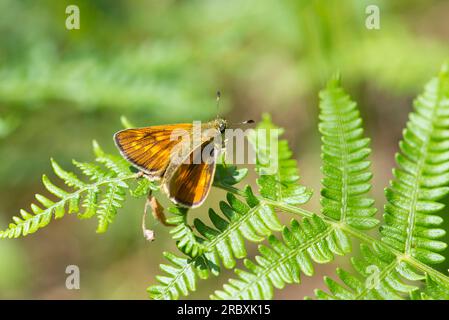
(182, 156)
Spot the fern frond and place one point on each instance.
(421, 178)
(434, 289)
(381, 276)
(252, 221)
(310, 241)
(102, 195)
(186, 240)
(278, 171)
(223, 243)
(345, 166)
(181, 277)
(395, 266)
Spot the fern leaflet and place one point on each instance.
(422, 177)
(410, 224)
(101, 196)
(283, 261)
(345, 164)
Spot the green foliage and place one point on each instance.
(385, 269)
(220, 245)
(410, 230)
(284, 260)
(382, 276)
(104, 193)
(422, 177)
(278, 171)
(345, 165)
(396, 266)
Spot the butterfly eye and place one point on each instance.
(222, 127)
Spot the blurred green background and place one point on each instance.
(162, 61)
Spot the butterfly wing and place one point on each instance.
(189, 183)
(149, 149)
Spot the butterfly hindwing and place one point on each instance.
(190, 182)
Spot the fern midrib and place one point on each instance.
(234, 225)
(412, 209)
(109, 204)
(421, 162)
(279, 181)
(342, 139)
(71, 196)
(293, 252)
(210, 245)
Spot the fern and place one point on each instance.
(283, 184)
(284, 260)
(422, 178)
(223, 243)
(345, 164)
(344, 199)
(386, 270)
(110, 179)
(382, 276)
(410, 226)
(396, 266)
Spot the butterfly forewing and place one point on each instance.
(149, 148)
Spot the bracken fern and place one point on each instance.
(109, 179)
(395, 265)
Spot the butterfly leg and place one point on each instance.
(223, 152)
(147, 233)
(158, 213)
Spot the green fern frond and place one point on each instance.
(310, 241)
(181, 277)
(278, 171)
(389, 270)
(434, 289)
(242, 221)
(345, 166)
(381, 276)
(223, 243)
(186, 240)
(102, 195)
(422, 177)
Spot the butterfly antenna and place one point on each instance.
(218, 102)
(244, 122)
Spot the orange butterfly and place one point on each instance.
(166, 152)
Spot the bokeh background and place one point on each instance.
(162, 61)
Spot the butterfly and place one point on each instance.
(166, 153)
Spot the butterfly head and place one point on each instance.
(221, 124)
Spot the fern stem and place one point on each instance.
(229, 188)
